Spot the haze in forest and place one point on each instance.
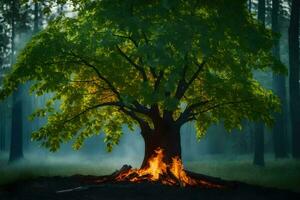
(255, 145)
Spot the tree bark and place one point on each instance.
(294, 78)
(165, 136)
(280, 126)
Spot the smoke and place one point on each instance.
(129, 151)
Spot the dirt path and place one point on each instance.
(57, 188)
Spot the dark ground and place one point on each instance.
(47, 189)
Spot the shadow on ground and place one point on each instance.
(77, 188)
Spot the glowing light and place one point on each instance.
(158, 171)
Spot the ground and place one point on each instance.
(57, 188)
(24, 181)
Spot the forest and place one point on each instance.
(135, 99)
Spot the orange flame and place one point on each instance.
(156, 167)
(159, 171)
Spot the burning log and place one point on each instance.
(124, 168)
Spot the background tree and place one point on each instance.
(181, 64)
(280, 126)
(4, 43)
(17, 16)
(16, 145)
(259, 126)
(294, 77)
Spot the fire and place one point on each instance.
(158, 171)
(178, 171)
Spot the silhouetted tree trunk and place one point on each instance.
(280, 126)
(2, 128)
(165, 135)
(294, 78)
(259, 149)
(2, 118)
(259, 127)
(16, 145)
(166, 139)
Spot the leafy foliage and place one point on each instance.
(118, 61)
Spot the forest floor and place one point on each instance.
(42, 181)
(75, 188)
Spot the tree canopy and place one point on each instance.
(115, 62)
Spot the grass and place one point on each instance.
(28, 169)
(15, 173)
(284, 174)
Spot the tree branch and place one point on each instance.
(195, 75)
(91, 108)
(118, 104)
(127, 37)
(110, 85)
(219, 105)
(130, 113)
(138, 107)
(187, 112)
(136, 66)
(158, 80)
(183, 85)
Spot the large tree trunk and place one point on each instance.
(294, 77)
(165, 136)
(280, 127)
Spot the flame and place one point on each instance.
(156, 168)
(178, 171)
(158, 171)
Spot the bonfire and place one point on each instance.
(157, 171)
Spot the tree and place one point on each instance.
(4, 41)
(294, 77)
(2, 120)
(156, 65)
(259, 126)
(280, 127)
(16, 144)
